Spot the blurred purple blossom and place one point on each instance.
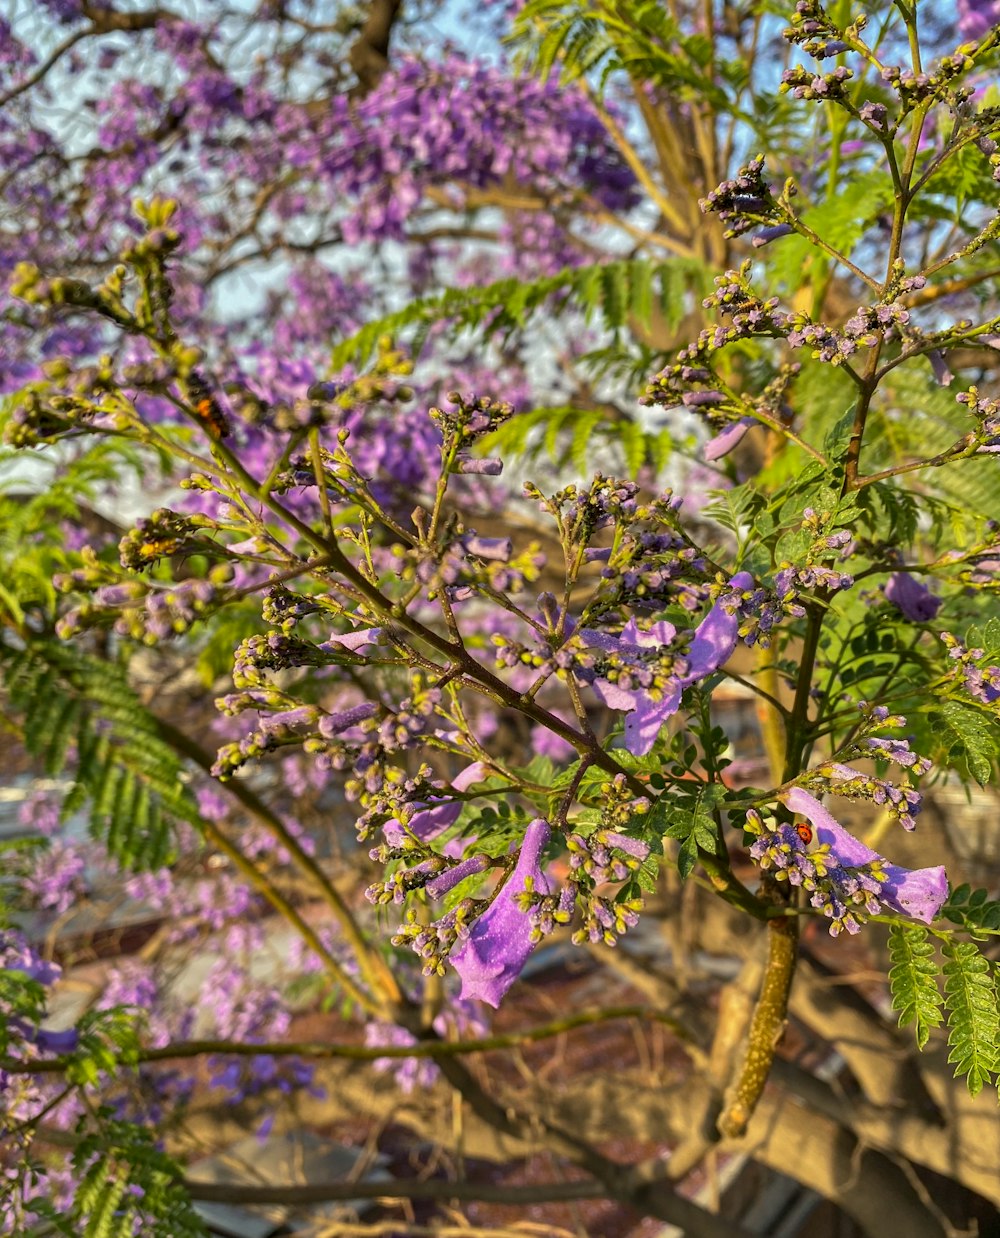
(912, 599)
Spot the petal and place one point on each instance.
(661, 633)
(848, 849)
(916, 892)
(615, 697)
(726, 440)
(498, 946)
(476, 772)
(643, 724)
(716, 636)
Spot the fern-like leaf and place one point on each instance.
(128, 774)
(912, 980)
(607, 293)
(971, 1000)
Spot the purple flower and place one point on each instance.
(716, 636)
(912, 892)
(430, 821)
(57, 1042)
(649, 705)
(766, 235)
(977, 17)
(727, 439)
(493, 954)
(651, 698)
(913, 600)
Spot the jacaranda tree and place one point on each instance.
(418, 425)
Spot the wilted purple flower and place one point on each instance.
(492, 956)
(912, 599)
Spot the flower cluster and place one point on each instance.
(846, 880)
(980, 682)
(987, 414)
(743, 202)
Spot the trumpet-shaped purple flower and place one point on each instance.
(912, 599)
(497, 947)
(846, 878)
(640, 682)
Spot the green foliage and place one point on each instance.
(973, 909)
(64, 699)
(969, 737)
(612, 295)
(971, 1000)
(689, 818)
(638, 37)
(114, 1157)
(913, 980)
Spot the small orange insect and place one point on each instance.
(804, 832)
(206, 408)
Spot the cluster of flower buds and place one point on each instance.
(605, 856)
(816, 569)
(980, 682)
(582, 512)
(162, 534)
(804, 84)
(274, 651)
(470, 418)
(434, 942)
(916, 88)
(149, 615)
(65, 401)
(651, 569)
(743, 202)
(987, 414)
(284, 610)
(902, 803)
(816, 34)
(846, 894)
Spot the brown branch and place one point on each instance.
(369, 54)
(296, 1195)
(369, 1053)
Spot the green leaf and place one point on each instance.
(912, 980)
(968, 734)
(971, 1001)
(131, 777)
